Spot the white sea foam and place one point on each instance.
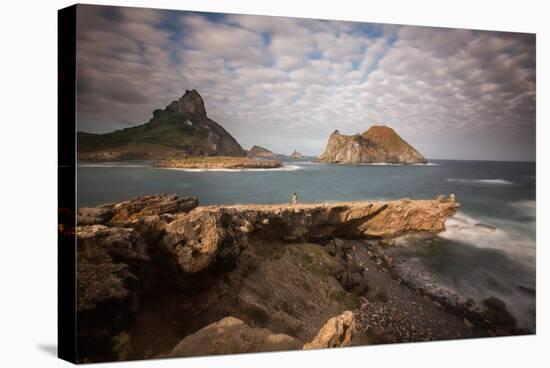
(526, 208)
(398, 164)
(426, 164)
(481, 181)
(283, 168)
(466, 229)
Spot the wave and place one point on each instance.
(481, 181)
(283, 168)
(398, 164)
(526, 208)
(494, 234)
(466, 229)
(370, 164)
(491, 275)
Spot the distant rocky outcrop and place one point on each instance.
(219, 162)
(257, 151)
(296, 154)
(181, 130)
(379, 144)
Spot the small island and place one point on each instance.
(378, 145)
(258, 151)
(296, 154)
(219, 162)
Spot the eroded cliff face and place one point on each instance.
(379, 144)
(253, 262)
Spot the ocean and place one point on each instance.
(488, 248)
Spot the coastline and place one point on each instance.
(263, 265)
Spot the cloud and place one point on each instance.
(281, 81)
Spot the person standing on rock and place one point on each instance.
(294, 201)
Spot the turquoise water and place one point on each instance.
(471, 260)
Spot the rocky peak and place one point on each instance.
(381, 133)
(190, 103)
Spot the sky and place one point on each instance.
(288, 83)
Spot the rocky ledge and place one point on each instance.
(154, 272)
(219, 162)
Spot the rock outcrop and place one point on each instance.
(337, 332)
(114, 214)
(232, 336)
(181, 130)
(228, 260)
(296, 154)
(207, 233)
(379, 144)
(257, 151)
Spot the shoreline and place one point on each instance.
(283, 269)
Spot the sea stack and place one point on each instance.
(296, 154)
(379, 144)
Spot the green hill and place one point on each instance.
(181, 130)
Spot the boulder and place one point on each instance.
(232, 336)
(337, 332)
(500, 319)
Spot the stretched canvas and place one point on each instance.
(246, 183)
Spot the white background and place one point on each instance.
(28, 181)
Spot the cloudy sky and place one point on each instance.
(287, 83)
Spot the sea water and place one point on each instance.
(488, 248)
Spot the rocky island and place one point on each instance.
(280, 276)
(257, 151)
(379, 144)
(219, 162)
(180, 130)
(295, 154)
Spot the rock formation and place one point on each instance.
(196, 238)
(232, 336)
(379, 144)
(252, 262)
(296, 154)
(337, 332)
(114, 214)
(257, 151)
(181, 130)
